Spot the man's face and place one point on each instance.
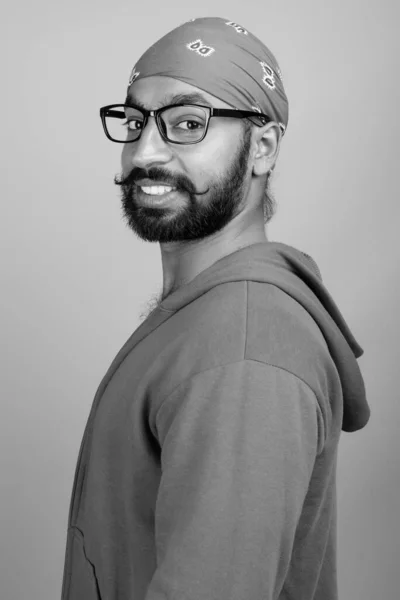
(215, 168)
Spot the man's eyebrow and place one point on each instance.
(192, 98)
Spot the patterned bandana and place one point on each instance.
(221, 58)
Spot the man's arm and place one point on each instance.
(238, 445)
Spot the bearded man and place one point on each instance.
(207, 470)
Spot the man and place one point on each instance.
(207, 469)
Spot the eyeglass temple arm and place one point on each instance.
(240, 114)
(114, 113)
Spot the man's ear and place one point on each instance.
(267, 140)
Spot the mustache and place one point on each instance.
(155, 175)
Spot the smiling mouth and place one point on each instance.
(156, 190)
(155, 198)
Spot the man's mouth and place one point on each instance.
(156, 190)
(156, 195)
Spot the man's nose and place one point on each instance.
(151, 146)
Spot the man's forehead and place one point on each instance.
(152, 95)
(179, 98)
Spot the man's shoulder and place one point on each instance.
(257, 321)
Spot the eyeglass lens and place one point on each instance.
(179, 123)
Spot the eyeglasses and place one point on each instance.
(177, 123)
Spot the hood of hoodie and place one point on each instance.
(297, 274)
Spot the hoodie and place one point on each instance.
(207, 468)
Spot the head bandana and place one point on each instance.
(221, 58)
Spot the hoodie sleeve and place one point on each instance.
(238, 446)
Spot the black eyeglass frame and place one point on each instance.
(213, 112)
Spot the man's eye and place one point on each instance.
(195, 123)
(132, 125)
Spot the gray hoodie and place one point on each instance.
(207, 469)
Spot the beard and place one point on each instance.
(197, 218)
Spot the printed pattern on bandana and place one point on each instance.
(200, 48)
(237, 27)
(134, 75)
(269, 78)
(241, 70)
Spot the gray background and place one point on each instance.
(75, 279)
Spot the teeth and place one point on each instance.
(157, 190)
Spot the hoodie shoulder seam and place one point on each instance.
(280, 368)
(249, 360)
(246, 304)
